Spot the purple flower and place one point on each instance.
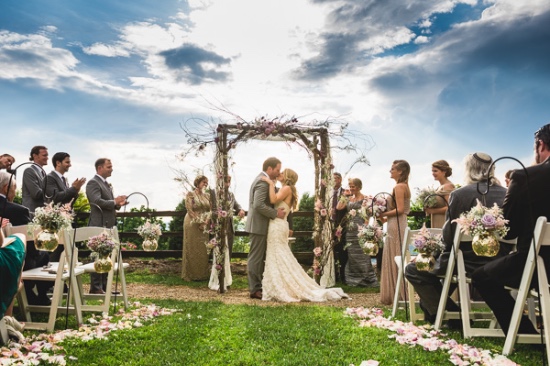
(489, 221)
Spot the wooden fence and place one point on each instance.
(303, 257)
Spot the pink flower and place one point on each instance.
(323, 212)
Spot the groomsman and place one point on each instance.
(6, 161)
(103, 206)
(58, 189)
(33, 179)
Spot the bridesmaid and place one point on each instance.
(359, 270)
(195, 257)
(397, 222)
(441, 171)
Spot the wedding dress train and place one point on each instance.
(284, 278)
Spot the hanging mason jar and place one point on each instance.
(46, 240)
(425, 262)
(103, 264)
(150, 245)
(485, 245)
(370, 248)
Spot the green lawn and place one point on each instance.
(213, 333)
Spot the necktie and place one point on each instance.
(65, 181)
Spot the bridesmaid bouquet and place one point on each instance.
(486, 225)
(426, 197)
(373, 207)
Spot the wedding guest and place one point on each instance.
(359, 270)
(58, 190)
(195, 256)
(428, 284)
(6, 161)
(337, 215)
(508, 177)
(19, 215)
(441, 171)
(12, 255)
(526, 200)
(33, 179)
(396, 216)
(103, 206)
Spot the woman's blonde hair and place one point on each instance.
(290, 177)
(356, 182)
(405, 169)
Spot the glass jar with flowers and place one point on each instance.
(370, 237)
(102, 246)
(150, 232)
(486, 226)
(47, 222)
(426, 244)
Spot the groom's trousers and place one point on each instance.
(256, 261)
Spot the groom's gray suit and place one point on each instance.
(260, 211)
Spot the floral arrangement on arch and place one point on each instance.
(486, 225)
(53, 217)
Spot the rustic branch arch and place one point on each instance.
(313, 137)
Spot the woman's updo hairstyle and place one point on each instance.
(444, 167)
(198, 180)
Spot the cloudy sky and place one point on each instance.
(423, 79)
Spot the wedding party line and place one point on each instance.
(497, 221)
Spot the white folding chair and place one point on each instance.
(541, 238)
(61, 273)
(82, 234)
(409, 297)
(456, 258)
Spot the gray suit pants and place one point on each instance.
(256, 261)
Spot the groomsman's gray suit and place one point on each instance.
(33, 188)
(260, 211)
(99, 192)
(59, 191)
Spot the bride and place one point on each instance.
(284, 279)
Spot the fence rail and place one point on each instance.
(303, 257)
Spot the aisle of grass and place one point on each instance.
(213, 334)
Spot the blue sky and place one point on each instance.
(425, 79)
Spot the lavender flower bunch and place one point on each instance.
(427, 242)
(481, 220)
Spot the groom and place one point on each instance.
(260, 211)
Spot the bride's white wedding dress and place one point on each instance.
(284, 278)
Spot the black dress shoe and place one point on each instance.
(256, 295)
(97, 292)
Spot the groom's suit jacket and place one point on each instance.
(260, 210)
(57, 191)
(33, 188)
(99, 193)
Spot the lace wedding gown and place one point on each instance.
(284, 278)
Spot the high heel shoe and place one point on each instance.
(10, 320)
